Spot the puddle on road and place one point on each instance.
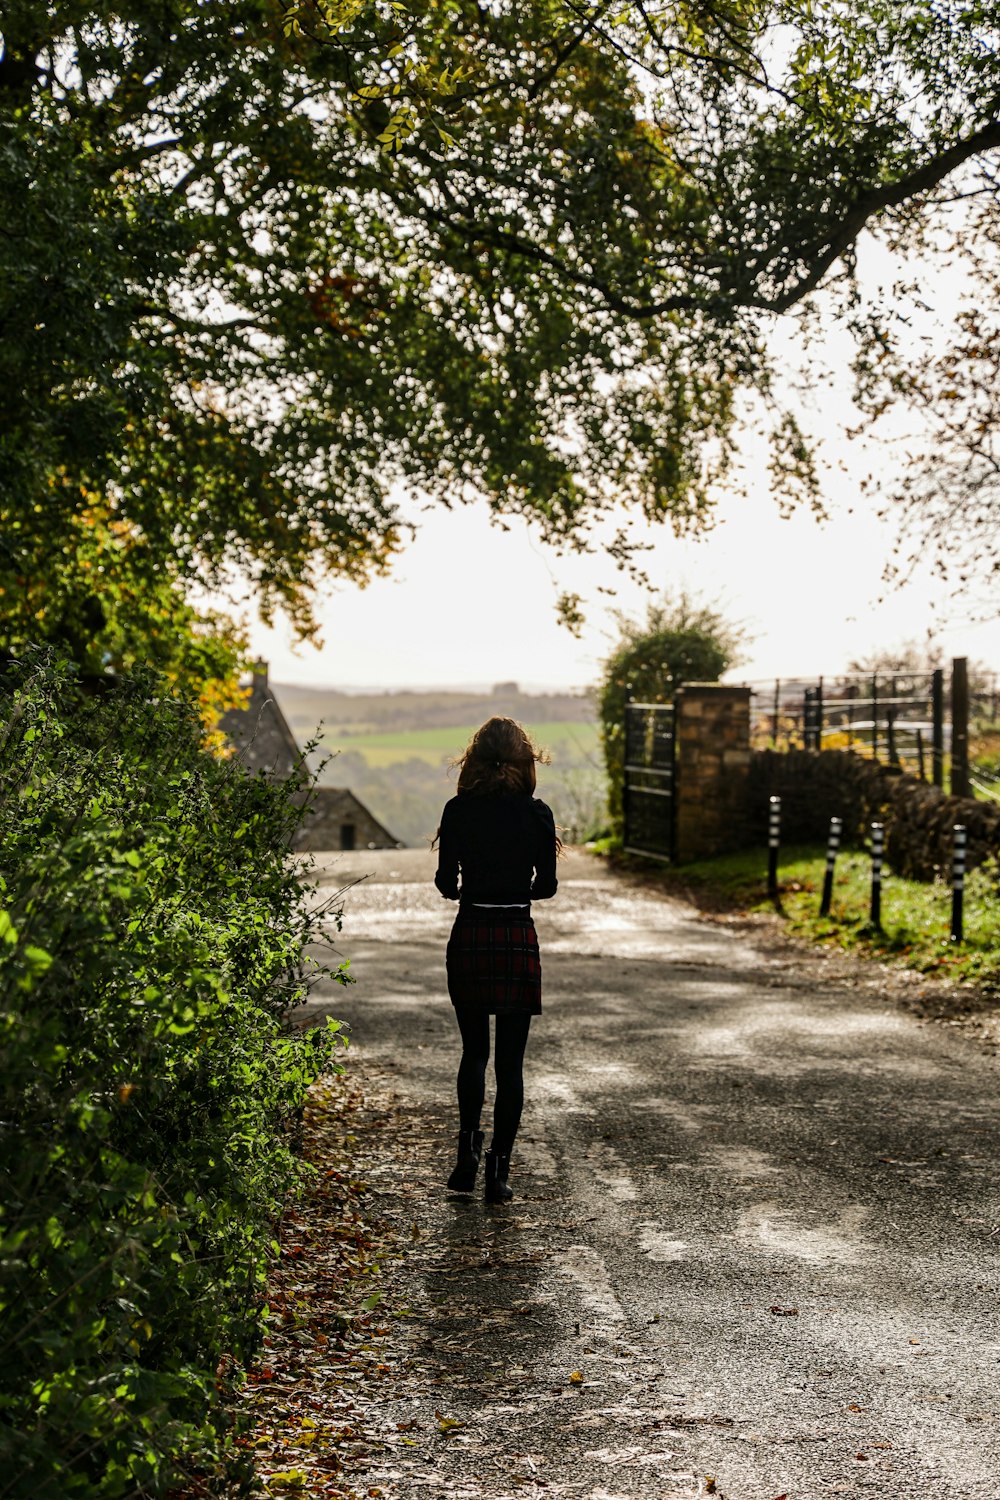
(779, 1231)
(584, 1266)
(659, 1245)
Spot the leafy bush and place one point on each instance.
(152, 934)
(678, 643)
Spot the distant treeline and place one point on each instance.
(360, 712)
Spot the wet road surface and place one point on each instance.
(754, 1248)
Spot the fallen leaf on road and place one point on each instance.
(447, 1424)
(287, 1479)
(576, 1378)
(785, 1312)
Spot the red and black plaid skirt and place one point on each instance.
(493, 962)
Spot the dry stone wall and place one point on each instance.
(815, 785)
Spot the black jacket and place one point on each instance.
(502, 847)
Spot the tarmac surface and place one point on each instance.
(754, 1245)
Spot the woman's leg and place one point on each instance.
(508, 1058)
(474, 1025)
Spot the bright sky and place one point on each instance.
(470, 605)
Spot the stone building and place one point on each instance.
(259, 733)
(337, 819)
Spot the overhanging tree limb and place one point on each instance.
(878, 200)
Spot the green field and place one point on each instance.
(566, 740)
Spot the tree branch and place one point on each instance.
(566, 52)
(875, 201)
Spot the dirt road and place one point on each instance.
(754, 1246)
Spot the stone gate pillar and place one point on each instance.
(713, 766)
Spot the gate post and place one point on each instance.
(713, 769)
(960, 785)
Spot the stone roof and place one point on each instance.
(265, 744)
(259, 732)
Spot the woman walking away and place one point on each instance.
(497, 854)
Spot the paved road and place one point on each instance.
(758, 1213)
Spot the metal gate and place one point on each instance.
(648, 790)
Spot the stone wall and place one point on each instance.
(713, 764)
(331, 812)
(815, 785)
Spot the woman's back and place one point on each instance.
(503, 845)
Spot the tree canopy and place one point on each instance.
(263, 265)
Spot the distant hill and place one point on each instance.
(391, 749)
(364, 713)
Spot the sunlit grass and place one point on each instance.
(916, 915)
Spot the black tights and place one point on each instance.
(511, 1039)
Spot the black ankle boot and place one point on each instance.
(470, 1148)
(497, 1188)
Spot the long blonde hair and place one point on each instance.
(500, 757)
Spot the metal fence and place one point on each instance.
(935, 725)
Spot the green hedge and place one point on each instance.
(152, 933)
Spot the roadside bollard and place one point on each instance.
(773, 840)
(833, 844)
(957, 883)
(878, 845)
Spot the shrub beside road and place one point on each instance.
(152, 933)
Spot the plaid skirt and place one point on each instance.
(493, 963)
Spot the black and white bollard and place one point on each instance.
(773, 841)
(833, 844)
(957, 882)
(878, 847)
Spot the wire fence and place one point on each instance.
(932, 724)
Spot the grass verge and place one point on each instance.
(916, 915)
